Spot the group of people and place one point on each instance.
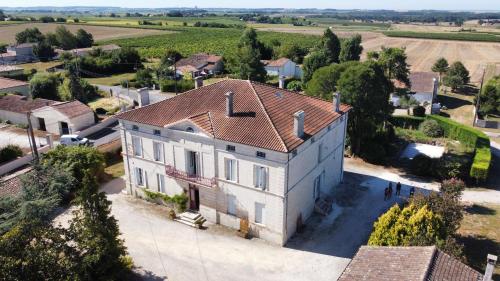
(388, 191)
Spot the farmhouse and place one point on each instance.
(20, 53)
(199, 65)
(10, 86)
(47, 115)
(10, 70)
(424, 88)
(407, 263)
(242, 151)
(282, 67)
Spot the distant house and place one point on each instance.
(47, 115)
(282, 67)
(81, 52)
(20, 53)
(199, 65)
(10, 70)
(424, 87)
(407, 263)
(11, 86)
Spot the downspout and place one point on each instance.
(128, 161)
(343, 147)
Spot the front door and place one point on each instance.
(41, 124)
(194, 198)
(64, 128)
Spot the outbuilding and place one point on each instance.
(11, 86)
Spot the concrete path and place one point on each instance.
(10, 135)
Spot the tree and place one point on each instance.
(440, 66)
(293, 52)
(45, 85)
(312, 62)
(167, 61)
(324, 80)
(29, 35)
(393, 60)
(410, 226)
(84, 39)
(144, 78)
(453, 81)
(330, 45)
(65, 38)
(351, 49)
(44, 51)
(249, 57)
(51, 38)
(365, 87)
(489, 98)
(457, 76)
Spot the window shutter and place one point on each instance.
(146, 179)
(255, 176)
(263, 178)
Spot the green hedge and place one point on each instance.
(472, 138)
(406, 122)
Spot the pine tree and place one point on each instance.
(249, 64)
(330, 45)
(351, 49)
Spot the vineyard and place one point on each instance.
(460, 36)
(191, 40)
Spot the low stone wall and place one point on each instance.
(21, 161)
(487, 124)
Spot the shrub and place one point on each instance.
(296, 86)
(419, 111)
(453, 187)
(452, 166)
(10, 152)
(375, 153)
(407, 122)
(182, 85)
(431, 128)
(421, 165)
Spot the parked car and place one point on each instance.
(71, 140)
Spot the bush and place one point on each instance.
(452, 166)
(422, 165)
(406, 122)
(296, 86)
(182, 85)
(419, 111)
(10, 152)
(375, 153)
(431, 128)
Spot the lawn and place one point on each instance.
(39, 66)
(480, 235)
(115, 170)
(112, 80)
(459, 106)
(110, 104)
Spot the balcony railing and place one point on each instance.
(196, 179)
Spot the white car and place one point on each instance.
(71, 140)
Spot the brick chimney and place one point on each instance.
(336, 102)
(198, 82)
(298, 123)
(491, 260)
(229, 104)
(281, 82)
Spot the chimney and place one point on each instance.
(229, 104)
(491, 260)
(281, 82)
(198, 82)
(336, 102)
(298, 123)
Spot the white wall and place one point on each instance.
(53, 118)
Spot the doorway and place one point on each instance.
(194, 198)
(41, 124)
(192, 160)
(64, 128)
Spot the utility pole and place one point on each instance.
(32, 136)
(478, 97)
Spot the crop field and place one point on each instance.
(8, 33)
(190, 40)
(461, 36)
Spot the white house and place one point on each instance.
(423, 88)
(239, 150)
(20, 53)
(283, 67)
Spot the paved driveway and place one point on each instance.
(12, 135)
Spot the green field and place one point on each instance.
(460, 36)
(190, 40)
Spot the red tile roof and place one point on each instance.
(421, 82)
(406, 263)
(198, 61)
(22, 104)
(72, 108)
(263, 115)
(6, 83)
(276, 63)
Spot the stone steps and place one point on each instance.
(192, 219)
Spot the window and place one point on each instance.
(259, 212)
(140, 177)
(160, 179)
(189, 130)
(261, 154)
(231, 205)
(230, 148)
(157, 132)
(158, 151)
(137, 146)
(260, 177)
(135, 127)
(231, 169)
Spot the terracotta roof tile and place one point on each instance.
(10, 187)
(198, 61)
(22, 104)
(446, 268)
(72, 108)
(276, 63)
(421, 82)
(263, 115)
(6, 83)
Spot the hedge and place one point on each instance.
(406, 122)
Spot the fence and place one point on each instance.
(487, 124)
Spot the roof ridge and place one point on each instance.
(430, 263)
(267, 116)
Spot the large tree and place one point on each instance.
(457, 76)
(393, 60)
(489, 98)
(312, 62)
(249, 64)
(84, 39)
(29, 35)
(45, 85)
(351, 49)
(440, 66)
(65, 38)
(44, 51)
(324, 80)
(330, 45)
(365, 87)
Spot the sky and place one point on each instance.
(322, 4)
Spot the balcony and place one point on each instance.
(192, 178)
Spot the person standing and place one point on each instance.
(398, 188)
(386, 193)
(412, 191)
(390, 190)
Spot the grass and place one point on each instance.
(459, 106)
(39, 66)
(480, 234)
(460, 36)
(115, 170)
(112, 80)
(107, 103)
(410, 135)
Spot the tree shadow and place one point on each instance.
(480, 210)
(476, 248)
(452, 102)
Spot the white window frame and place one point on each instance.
(160, 182)
(260, 177)
(231, 205)
(231, 169)
(137, 146)
(158, 151)
(260, 208)
(140, 177)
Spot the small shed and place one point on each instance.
(11, 86)
(282, 67)
(64, 117)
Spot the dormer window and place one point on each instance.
(261, 154)
(230, 147)
(135, 127)
(189, 130)
(157, 132)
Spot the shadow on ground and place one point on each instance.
(476, 248)
(452, 102)
(480, 210)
